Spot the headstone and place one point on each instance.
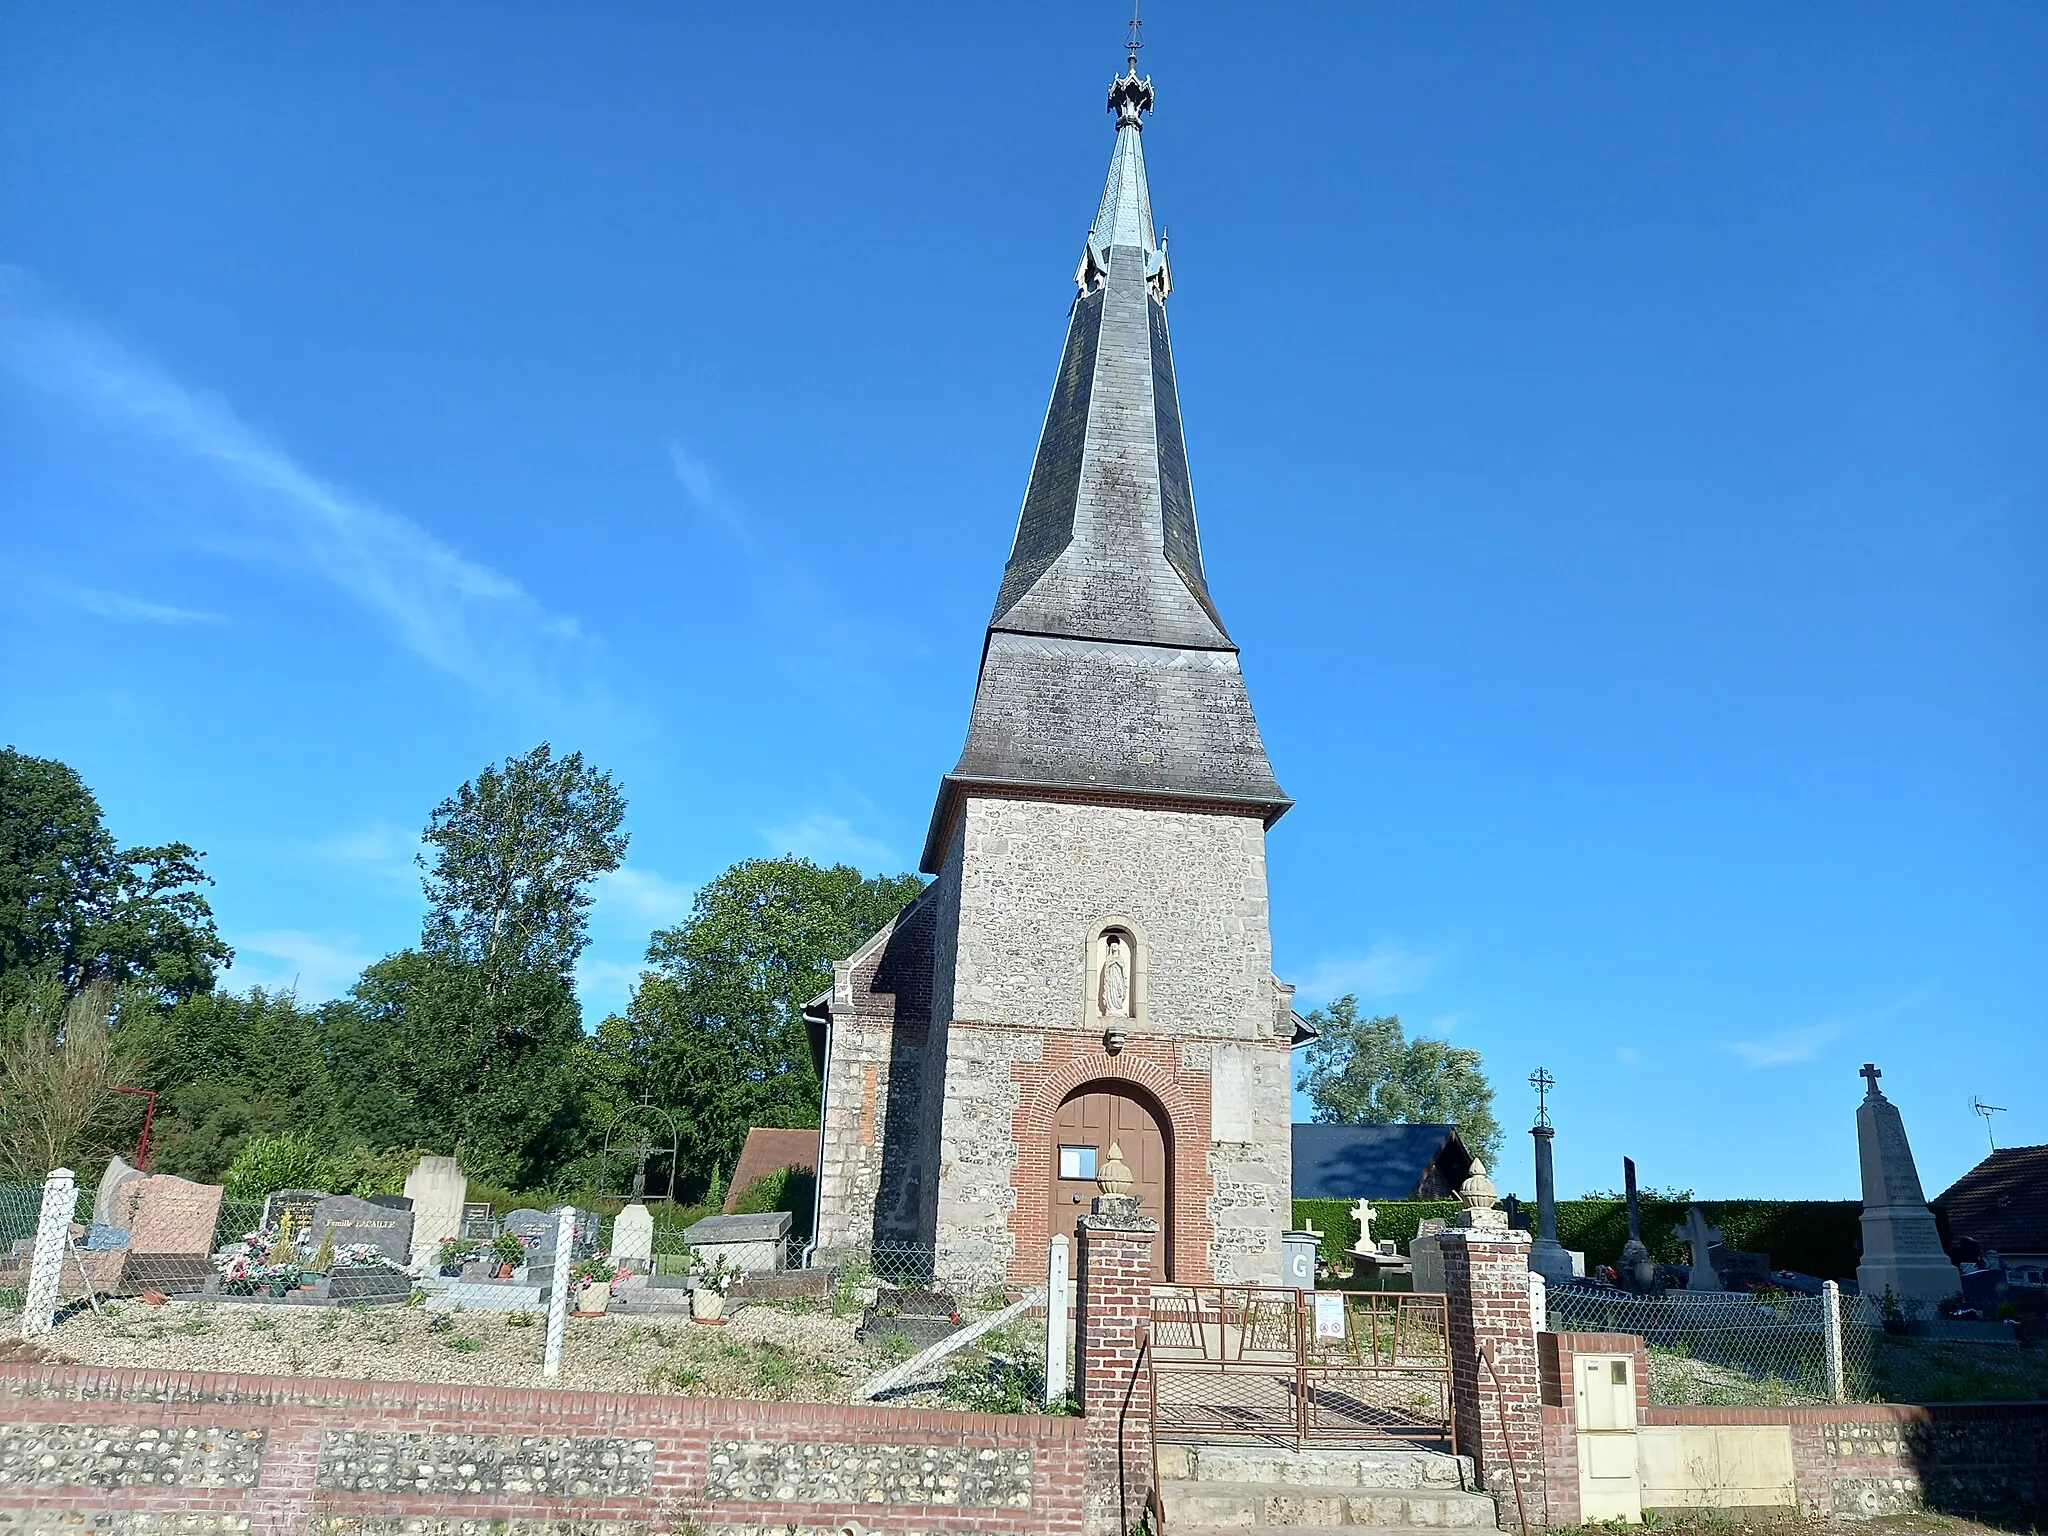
(535, 1228)
(1364, 1215)
(390, 1202)
(437, 1187)
(347, 1219)
(1700, 1237)
(167, 1215)
(119, 1172)
(293, 1208)
(1426, 1255)
(1738, 1270)
(633, 1236)
(589, 1233)
(478, 1220)
(748, 1243)
(1638, 1269)
(1901, 1249)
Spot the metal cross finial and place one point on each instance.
(1870, 1074)
(1136, 39)
(1542, 1082)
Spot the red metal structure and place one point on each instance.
(148, 1114)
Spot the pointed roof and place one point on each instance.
(1106, 666)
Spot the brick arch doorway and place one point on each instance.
(1090, 1119)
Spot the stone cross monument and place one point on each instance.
(1700, 1237)
(1901, 1249)
(1547, 1256)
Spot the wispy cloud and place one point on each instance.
(389, 854)
(1386, 970)
(1803, 1042)
(125, 609)
(648, 899)
(605, 986)
(830, 839)
(315, 966)
(472, 622)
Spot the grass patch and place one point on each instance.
(463, 1344)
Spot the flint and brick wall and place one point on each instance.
(120, 1452)
(1114, 1309)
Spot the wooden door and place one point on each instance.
(1089, 1122)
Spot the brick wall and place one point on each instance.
(1498, 1412)
(1113, 1297)
(142, 1450)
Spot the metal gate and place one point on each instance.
(1299, 1367)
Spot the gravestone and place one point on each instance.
(749, 1243)
(347, 1219)
(294, 1206)
(437, 1187)
(535, 1228)
(589, 1234)
(119, 1172)
(1426, 1255)
(1739, 1270)
(633, 1236)
(1901, 1250)
(478, 1221)
(170, 1224)
(1637, 1269)
(1699, 1237)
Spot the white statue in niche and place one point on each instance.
(1113, 993)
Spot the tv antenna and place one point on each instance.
(1978, 1106)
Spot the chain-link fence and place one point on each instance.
(20, 1205)
(1713, 1347)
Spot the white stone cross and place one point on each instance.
(1701, 1238)
(1364, 1215)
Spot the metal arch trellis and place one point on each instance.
(628, 1136)
(1301, 1368)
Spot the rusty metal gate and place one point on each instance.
(1299, 1367)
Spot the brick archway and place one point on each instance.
(1149, 1067)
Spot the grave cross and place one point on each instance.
(1870, 1074)
(1700, 1237)
(1365, 1216)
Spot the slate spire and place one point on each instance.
(1106, 666)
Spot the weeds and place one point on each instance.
(465, 1345)
(520, 1319)
(263, 1325)
(674, 1378)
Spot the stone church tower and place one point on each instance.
(1092, 965)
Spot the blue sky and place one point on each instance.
(1617, 435)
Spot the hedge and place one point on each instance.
(1814, 1237)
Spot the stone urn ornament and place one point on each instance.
(1114, 1177)
(1479, 1197)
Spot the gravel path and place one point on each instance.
(762, 1352)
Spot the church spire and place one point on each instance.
(1107, 667)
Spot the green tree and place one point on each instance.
(76, 908)
(1368, 1072)
(515, 852)
(715, 1028)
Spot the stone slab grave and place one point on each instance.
(347, 1219)
(921, 1317)
(438, 1189)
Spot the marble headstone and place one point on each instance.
(437, 1187)
(633, 1236)
(1902, 1251)
(295, 1206)
(478, 1221)
(119, 1172)
(535, 1228)
(167, 1215)
(346, 1219)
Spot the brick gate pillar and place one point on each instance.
(1113, 1306)
(1486, 1284)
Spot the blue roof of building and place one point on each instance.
(1373, 1162)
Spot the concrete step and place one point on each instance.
(1255, 1506)
(1353, 1468)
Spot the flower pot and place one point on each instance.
(707, 1305)
(594, 1297)
(505, 1271)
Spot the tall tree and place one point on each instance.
(515, 851)
(716, 1025)
(1368, 1072)
(60, 1062)
(75, 907)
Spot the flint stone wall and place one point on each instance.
(441, 1463)
(128, 1456)
(750, 1471)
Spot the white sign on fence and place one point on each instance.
(1329, 1315)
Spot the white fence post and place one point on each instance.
(53, 1236)
(558, 1288)
(1539, 1302)
(1831, 1331)
(1056, 1320)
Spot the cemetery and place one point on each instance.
(1021, 1234)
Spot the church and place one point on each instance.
(1091, 967)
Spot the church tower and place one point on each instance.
(1092, 964)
